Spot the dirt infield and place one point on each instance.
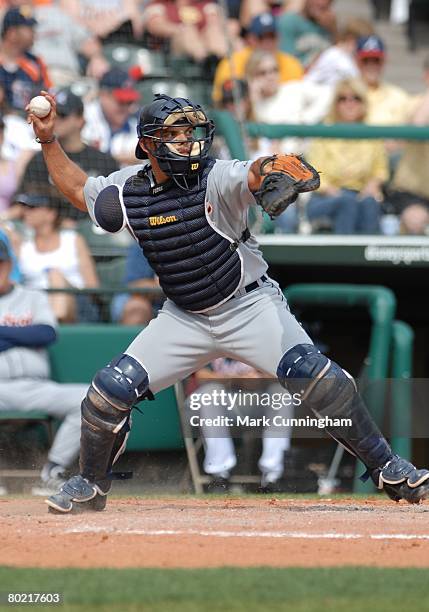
(180, 533)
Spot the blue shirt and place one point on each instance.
(15, 273)
(137, 266)
(26, 81)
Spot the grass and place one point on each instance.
(354, 589)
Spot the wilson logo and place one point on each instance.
(161, 220)
(194, 166)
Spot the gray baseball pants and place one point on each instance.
(256, 328)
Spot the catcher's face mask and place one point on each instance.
(181, 134)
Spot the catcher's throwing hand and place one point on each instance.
(44, 126)
(283, 177)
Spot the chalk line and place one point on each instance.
(250, 534)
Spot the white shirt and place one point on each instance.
(98, 134)
(35, 265)
(296, 102)
(59, 38)
(18, 137)
(332, 65)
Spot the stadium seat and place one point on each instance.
(125, 56)
(111, 273)
(81, 350)
(101, 243)
(149, 87)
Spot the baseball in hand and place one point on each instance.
(39, 106)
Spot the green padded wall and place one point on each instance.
(81, 350)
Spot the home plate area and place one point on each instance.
(185, 532)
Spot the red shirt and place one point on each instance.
(192, 12)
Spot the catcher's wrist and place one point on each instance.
(52, 139)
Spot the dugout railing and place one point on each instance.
(232, 132)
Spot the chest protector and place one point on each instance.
(198, 268)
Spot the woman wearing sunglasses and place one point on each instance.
(352, 171)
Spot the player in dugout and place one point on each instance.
(189, 212)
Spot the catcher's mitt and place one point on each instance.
(283, 177)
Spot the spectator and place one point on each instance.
(136, 308)
(115, 21)
(338, 62)
(55, 258)
(27, 327)
(262, 35)
(18, 136)
(249, 9)
(22, 74)
(69, 125)
(10, 172)
(239, 106)
(65, 45)
(235, 21)
(110, 121)
(295, 102)
(352, 171)
(305, 34)
(190, 27)
(409, 192)
(220, 457)
(388, 104)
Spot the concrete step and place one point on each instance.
(403, 67)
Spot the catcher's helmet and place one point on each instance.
(166, 112)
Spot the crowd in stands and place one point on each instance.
(268, 61)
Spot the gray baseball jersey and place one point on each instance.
(253, 327)
(25, 371)
(21, 307)
(229, 196)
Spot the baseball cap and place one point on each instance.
(34, 200)
(120, 84)
(370, 46)
(68, 103)
(262, 24)
(19, 16)
(5, 254)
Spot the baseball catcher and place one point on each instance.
(188, 212)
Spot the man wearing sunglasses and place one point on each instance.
(388, 104)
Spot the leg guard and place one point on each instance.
(105, 425)
(106, 413)
(330, 392)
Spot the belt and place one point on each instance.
(250, 287)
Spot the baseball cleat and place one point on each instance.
(78, 495)
(400, 479)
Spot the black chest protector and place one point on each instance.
(197, 267)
